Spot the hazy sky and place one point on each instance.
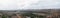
(29, 4)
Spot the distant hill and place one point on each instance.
(10, 12)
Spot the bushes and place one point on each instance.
(34, 16)
(41, 16)
(4, 16)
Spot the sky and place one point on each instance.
(29, 4)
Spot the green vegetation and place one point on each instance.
(33, 16)
(41, 16)
(30, 15)
(4, 16)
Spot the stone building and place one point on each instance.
(54, 14)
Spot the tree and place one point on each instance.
(41, 16)
(4, 16)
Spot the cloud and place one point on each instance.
(8, 5)
(44, 4)
(29, 4)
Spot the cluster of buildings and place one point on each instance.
(46, 13)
